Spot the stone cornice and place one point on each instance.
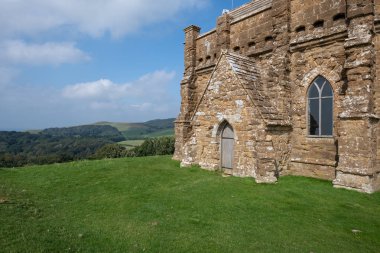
(260, 51)
(192, 27)
(206, 34)
(249, 9)
(304, 42)
(205, 70)
(358, 116)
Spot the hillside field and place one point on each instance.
(134, 131)
(131, 143)
(150, 204)
(148, 129)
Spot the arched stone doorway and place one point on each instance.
(227, 147)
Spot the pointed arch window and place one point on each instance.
(320, 108)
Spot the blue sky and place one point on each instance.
(73, 62)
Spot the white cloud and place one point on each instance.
(19, 52)
(87, 16)
(154, 95)
(41, 19)
(103, 89)
(149, 86)
(147, 95)
(31, 33)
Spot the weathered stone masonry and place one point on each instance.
(254, 71)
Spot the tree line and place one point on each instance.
(150, 147)
(57, 145)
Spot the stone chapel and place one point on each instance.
(285, 87)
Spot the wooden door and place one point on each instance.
(227, 149)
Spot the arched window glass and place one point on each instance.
(320, 107)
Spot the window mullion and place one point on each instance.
(320, 114)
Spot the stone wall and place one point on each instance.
(312, 156)
(258, 153)
(291, 42)
(252, 35)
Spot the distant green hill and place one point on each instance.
(93, 131)
(74, 143)
(149, 129)
(131, 131)
(54, 145)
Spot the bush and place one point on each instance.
(110, 151)
(156, 146)
(150, 147)
(12, 160)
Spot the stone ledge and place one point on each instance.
(260, 51)
(205, 69)
(358, 116)
(322, 39)
(206, 33)
(315, 162)
(249, 9)
(357, 42)
(320, 140)
(362, 171)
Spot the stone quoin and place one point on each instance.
(285, 87)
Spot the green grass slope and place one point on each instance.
(152, 205)
(131, 143)
(121, 126)
(149, 129)
(135, 131)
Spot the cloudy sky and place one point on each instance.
(72, 62)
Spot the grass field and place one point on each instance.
(139, 131)
(131, 143)
(121, 126)
(165, 132)
(152, 205)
